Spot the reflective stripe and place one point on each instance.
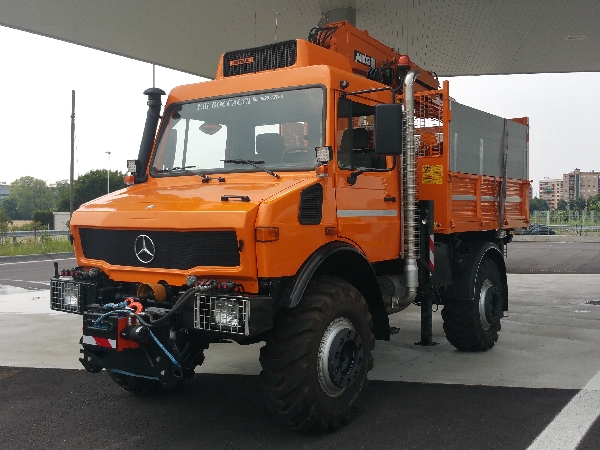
(367, 213)
(463, 197)
(100, 342)
(485, 198)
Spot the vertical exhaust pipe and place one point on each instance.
(149, 134)
(411, 216)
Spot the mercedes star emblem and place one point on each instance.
(144, 249)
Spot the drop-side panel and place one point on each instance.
(477, 144)
(460, 165)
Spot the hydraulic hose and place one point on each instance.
(185, 297)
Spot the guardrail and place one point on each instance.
(16, 235)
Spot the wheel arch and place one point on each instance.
(348, 263)
(463, 287)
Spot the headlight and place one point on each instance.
(70, 295)
(226, 313)
(65, 296)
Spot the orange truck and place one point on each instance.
(310, 190)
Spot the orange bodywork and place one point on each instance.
(366, 214)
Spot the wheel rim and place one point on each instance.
(489, 305)
(341, 356)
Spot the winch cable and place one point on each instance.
(162, 347)
(97, 324)
(185, 297)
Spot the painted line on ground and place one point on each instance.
(46, 283)
(35, 261)
(570, 425)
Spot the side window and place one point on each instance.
(355, 136)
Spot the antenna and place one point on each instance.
(72, 152)
(276, 17)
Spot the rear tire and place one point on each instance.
(473, 325)
(316, 359)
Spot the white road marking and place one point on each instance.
(40, 260)
(46, 283)
(570, 425)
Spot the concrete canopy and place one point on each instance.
(462, 37)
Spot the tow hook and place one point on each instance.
(90, 362)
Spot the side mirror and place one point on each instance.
(388, 129)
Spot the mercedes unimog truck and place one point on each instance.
(310, 190)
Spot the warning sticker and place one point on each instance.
(432, 174)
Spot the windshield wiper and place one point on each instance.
(251, 163)
(173, 169)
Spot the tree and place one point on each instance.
(44, 218)
(60, 187)
(5, 221)
(90, 186)
(578, 204)
(31, 194)
(593, 203)
(9, 205)
(562, 205)
(538, 204)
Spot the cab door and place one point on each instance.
(367, 186)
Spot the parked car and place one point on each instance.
(540, 229)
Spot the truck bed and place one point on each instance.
(465, 178)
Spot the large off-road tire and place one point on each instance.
(316, 359)
(191, 357)
(136, 385)
(474, 325)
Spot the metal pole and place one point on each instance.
(108, 175)
(72, 151)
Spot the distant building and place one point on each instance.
(580, 184)
(61, 221)
(551, 190)
(3, 191)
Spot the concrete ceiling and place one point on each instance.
(461, 37)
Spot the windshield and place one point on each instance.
(274, 130)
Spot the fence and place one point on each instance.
(569, 222)
(16, 236)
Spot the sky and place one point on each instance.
(39, 74)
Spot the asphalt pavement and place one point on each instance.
(538, 388)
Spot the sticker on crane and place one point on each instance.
(432, 174)
(99, 341)
(364, 59)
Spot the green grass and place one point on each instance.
(33, 247)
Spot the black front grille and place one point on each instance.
(163, 249)
(311, 205)
(252, 60)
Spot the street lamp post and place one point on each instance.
(108, 176)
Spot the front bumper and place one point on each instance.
(235, 315)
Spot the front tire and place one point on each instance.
(135, 385)
(316, 359)
(473, 325)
